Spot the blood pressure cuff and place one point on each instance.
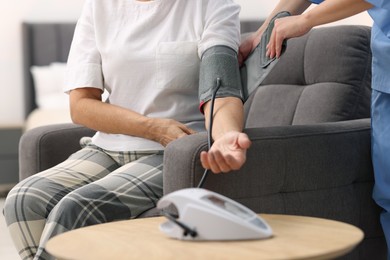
(257, 66)
(219, 62)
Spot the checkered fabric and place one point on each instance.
(93, 186)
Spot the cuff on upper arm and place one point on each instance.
(219, 62)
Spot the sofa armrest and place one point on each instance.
(43, 147)
(281, 159)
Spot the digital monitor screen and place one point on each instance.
(228, 206)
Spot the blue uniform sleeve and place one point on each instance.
(384, 4)
(316, 1)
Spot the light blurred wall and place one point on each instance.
(13, 12)
(254, 9)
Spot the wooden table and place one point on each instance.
(295, 237)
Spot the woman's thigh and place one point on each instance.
(125, 193)
(34, 197)
(30, 202)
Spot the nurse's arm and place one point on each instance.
(294, 7)
(298, 25)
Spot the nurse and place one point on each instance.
(330, 11)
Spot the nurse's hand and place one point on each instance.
(286, 28)
(227, 153)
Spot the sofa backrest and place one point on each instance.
(324, 76)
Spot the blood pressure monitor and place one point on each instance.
(206, 215)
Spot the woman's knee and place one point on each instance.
(74, 211)
(20, 206)
(31, 199)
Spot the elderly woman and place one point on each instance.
(150, 56)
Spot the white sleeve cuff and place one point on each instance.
(86, 75)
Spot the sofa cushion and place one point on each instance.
(324, 76)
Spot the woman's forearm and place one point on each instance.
(228, 151)
(228, 116)
(87, 109)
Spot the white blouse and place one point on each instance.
(147, 56)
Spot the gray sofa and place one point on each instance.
(310, 128)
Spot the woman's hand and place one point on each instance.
(88, 109)
(227, 153)
(165, 131)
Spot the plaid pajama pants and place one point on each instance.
(93, 186)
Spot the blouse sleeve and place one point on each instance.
(84, 62)
(221, 25)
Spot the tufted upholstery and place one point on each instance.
(318, 79)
